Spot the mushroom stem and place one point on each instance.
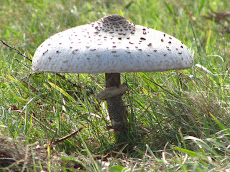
(116, 108)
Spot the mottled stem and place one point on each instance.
(116, 108)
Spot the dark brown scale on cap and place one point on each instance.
(142, 38)
(45, 52)
(150, 44)
(74, 51)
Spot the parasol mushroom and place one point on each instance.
(111, 45)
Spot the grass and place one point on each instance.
(179, 119)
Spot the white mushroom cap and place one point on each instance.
(111, 45)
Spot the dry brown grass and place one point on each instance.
(16, 156)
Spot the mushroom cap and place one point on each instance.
(111, 45)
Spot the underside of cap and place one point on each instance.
(111, 45)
